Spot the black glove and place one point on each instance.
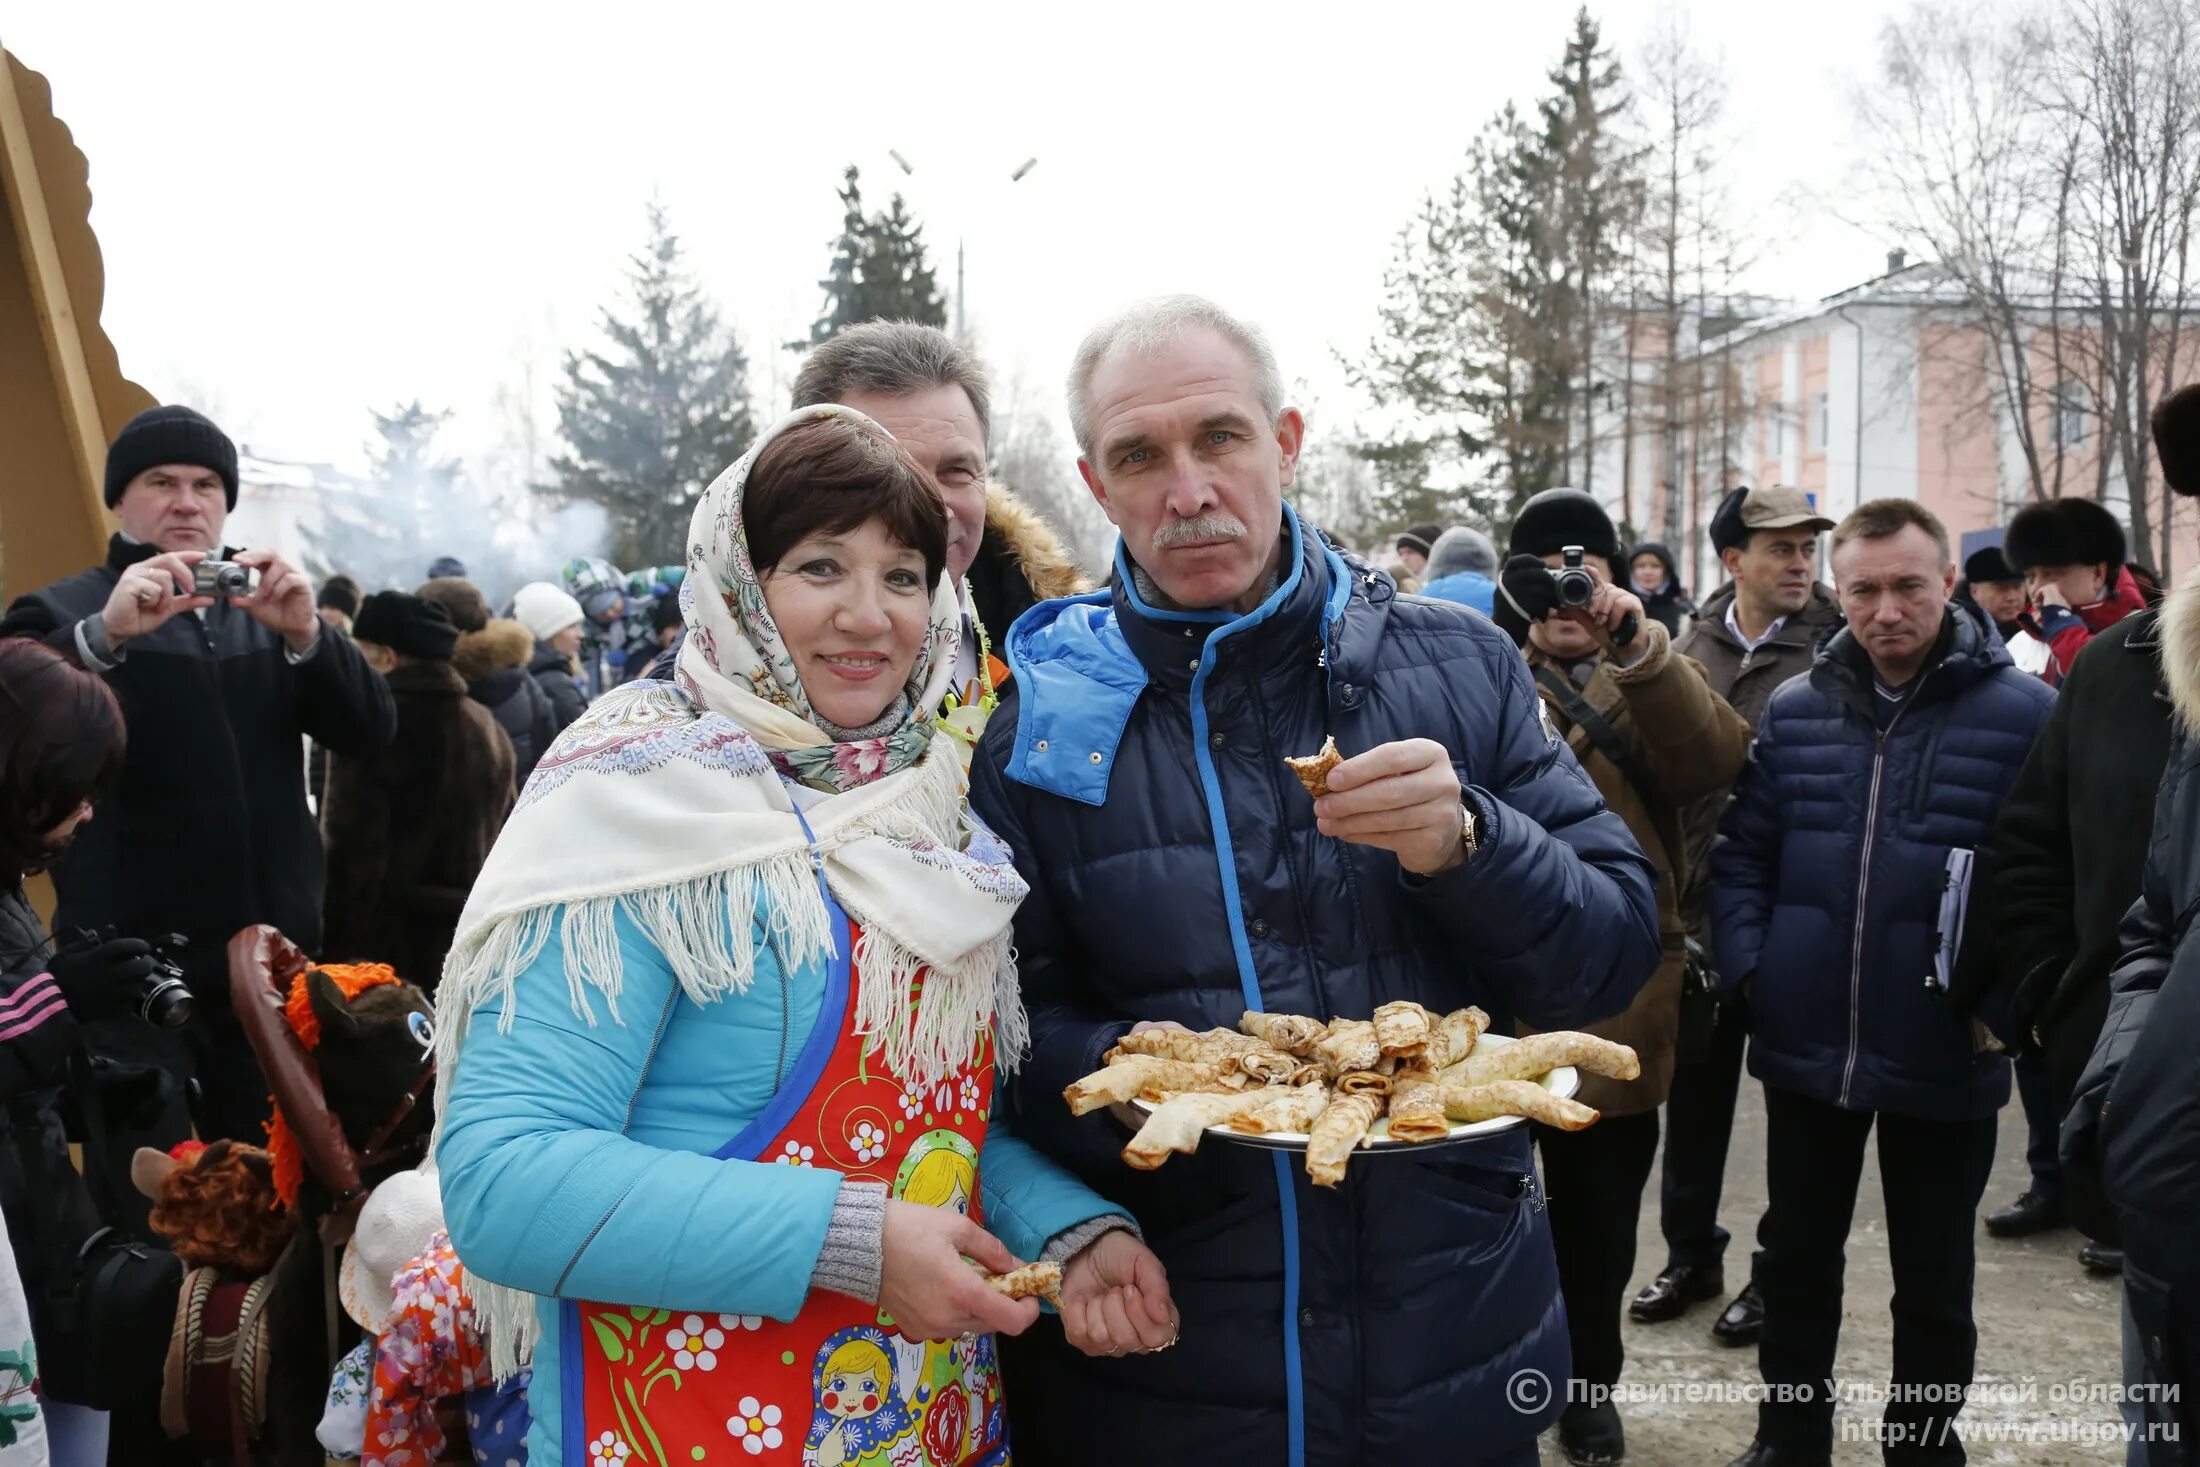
(1529, 585)
(99, 974)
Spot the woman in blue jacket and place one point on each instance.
(723, 1020)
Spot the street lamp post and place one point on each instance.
(1015, 176)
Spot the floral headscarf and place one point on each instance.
(736, 661)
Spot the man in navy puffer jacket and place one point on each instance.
(1180, 873)
(1897, 747)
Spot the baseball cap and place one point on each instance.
(1745, 511)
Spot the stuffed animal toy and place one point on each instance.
(216, 1205)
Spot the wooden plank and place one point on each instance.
(49, 287)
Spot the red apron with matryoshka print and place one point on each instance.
(838, 1386)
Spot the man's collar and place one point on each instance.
(1734, 625)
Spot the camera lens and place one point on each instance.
(165, 1002)
(233, 580)
(1575, 587)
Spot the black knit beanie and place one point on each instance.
(1557, 518)
(410, 626)
(169, 435)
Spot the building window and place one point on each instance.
(2072, 407)
(1821, 421)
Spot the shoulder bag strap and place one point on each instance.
(1607, 741)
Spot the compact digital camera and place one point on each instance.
(221, 578)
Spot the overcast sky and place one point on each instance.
(309, 210)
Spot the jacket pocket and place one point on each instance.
(1484, 1188)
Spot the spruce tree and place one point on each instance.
(878, 272)
(651, 420)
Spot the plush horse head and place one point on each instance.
(348, 1052)
(376, 1049)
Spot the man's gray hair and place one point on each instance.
(1154, 324)
(897, 358)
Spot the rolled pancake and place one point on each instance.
(1211, 1047)
(1176, 1125)
(1032, 1281)
(1349, 1045)
(1263, 1066)
(1291, 1033)
(1366, 1082)
(1515, 1098)
(1313, 769)
(1278, 1108)
(1455, 1037)
(1137, 1074)
(1539, 1054)
(1403, 1028)
(1417, 1109)
(1341, 1126)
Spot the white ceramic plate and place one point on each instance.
(1562, 1082)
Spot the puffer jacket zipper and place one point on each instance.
(1864, 881)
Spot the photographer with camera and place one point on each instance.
(222, 669)
(1654, 738)
(61, 739)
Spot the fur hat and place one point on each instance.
(410, 626)
(1557, 518)
(2177, 439)
(461, 598)
(2065, 531)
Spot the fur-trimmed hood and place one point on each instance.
(498, 645)
(1025, 534)
(2181, 648)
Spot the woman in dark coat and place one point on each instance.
(409, 827)
(61, 738)
(1657, 581)
(553, 619)
(492, 656)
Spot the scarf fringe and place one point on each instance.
(708, 935)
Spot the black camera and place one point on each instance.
(163, 999)
(1574, 583)
(221, 578)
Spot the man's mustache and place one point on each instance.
(1213, 525)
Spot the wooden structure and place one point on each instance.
(62, 393)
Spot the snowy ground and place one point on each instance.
(2044, 1324)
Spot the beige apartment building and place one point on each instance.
(1888, 388)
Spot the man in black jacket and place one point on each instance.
(2131, 1128)
(208, 830)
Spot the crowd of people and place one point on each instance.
(770, 900)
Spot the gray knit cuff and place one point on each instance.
(1070, 1242)
(854, 1256)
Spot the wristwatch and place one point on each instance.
(1469, 842)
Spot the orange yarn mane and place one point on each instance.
(351, 979)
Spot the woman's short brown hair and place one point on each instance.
(61, 742)
(828, 477)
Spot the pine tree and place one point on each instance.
(651, 421)
(879, 271)
(1464, 363)
(1596, 204)
(1494, 301)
